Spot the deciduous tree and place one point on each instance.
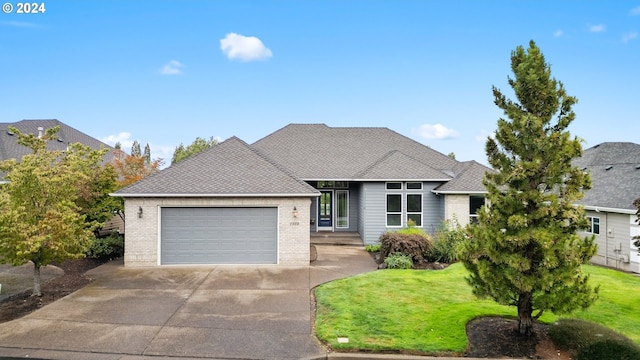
(197, 146)
(39, 218)
(133, 168)
(525, 251)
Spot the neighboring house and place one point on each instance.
(615, 184)
(258, 204)
(10, 149)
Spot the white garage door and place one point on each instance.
(219, 235)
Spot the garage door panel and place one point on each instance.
(218, 235)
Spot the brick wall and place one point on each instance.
(142, 241)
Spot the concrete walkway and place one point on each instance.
(215, 312)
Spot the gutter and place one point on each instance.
(608, 209)
(190, 195)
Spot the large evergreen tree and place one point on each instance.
(525, 251)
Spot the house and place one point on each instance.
(10, 149)
(258, 204)
(615, 184)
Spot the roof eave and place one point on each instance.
(609, 209)
(168, 195)
(453, 192)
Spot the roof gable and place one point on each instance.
(231, 168)
(10, 149)
(615, 175)
(398, 166)
(468, 179)
(317, 151)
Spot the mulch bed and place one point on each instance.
(74, 278)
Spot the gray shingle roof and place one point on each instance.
(615, 175)
(10, 149)
(231, 168)
(320, 152)
(468, 179)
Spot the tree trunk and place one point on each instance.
(36, 280)
(525, 309)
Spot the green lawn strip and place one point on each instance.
(617, 307)
(426, 311)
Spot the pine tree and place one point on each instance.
(147, 154)
(525, 251)
(135, 149)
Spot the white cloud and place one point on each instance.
(244, 48)
(635, 11)
(629, 36)
(597, 28)
(558, 33)
(173, 67)
(437, 131)
(124, 138)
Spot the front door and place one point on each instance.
(325, 210)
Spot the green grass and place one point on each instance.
(426, 311)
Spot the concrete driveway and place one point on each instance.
(219, 312)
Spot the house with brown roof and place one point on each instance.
(258, 204)
(615, 184)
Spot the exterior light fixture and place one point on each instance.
(140, 212)
(295, 212)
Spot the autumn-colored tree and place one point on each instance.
(40, 220)
(133, 168)
(525, 250)
(197, 146)
(93, 194)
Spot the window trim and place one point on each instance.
(414, 182)
(387, 212)
(590, 229)
(386, 186)
(346, 193)
(421, 212)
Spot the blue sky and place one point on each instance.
(165, 72)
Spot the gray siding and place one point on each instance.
(614, 241)
(372, 222)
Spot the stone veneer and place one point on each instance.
(456, 207)
(142, 242)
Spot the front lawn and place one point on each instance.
(426, 311)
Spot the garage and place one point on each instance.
(218, 235)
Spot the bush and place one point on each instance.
(107, 248)
(372, 248)
(591, 341)
(398, 261)
(413, 242)
(449, 235)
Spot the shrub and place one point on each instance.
(398, 261)
(591, 341)
(106, 248)
(413, 242)
(449, 235)
(372, 248)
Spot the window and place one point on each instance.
(594, 225)
(414, 208)
(333, 184)
(342, 204)
(394, 210)
(475, 203)
(394, 186)
(414, 186)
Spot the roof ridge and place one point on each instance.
(273, 162)
(374, 164)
